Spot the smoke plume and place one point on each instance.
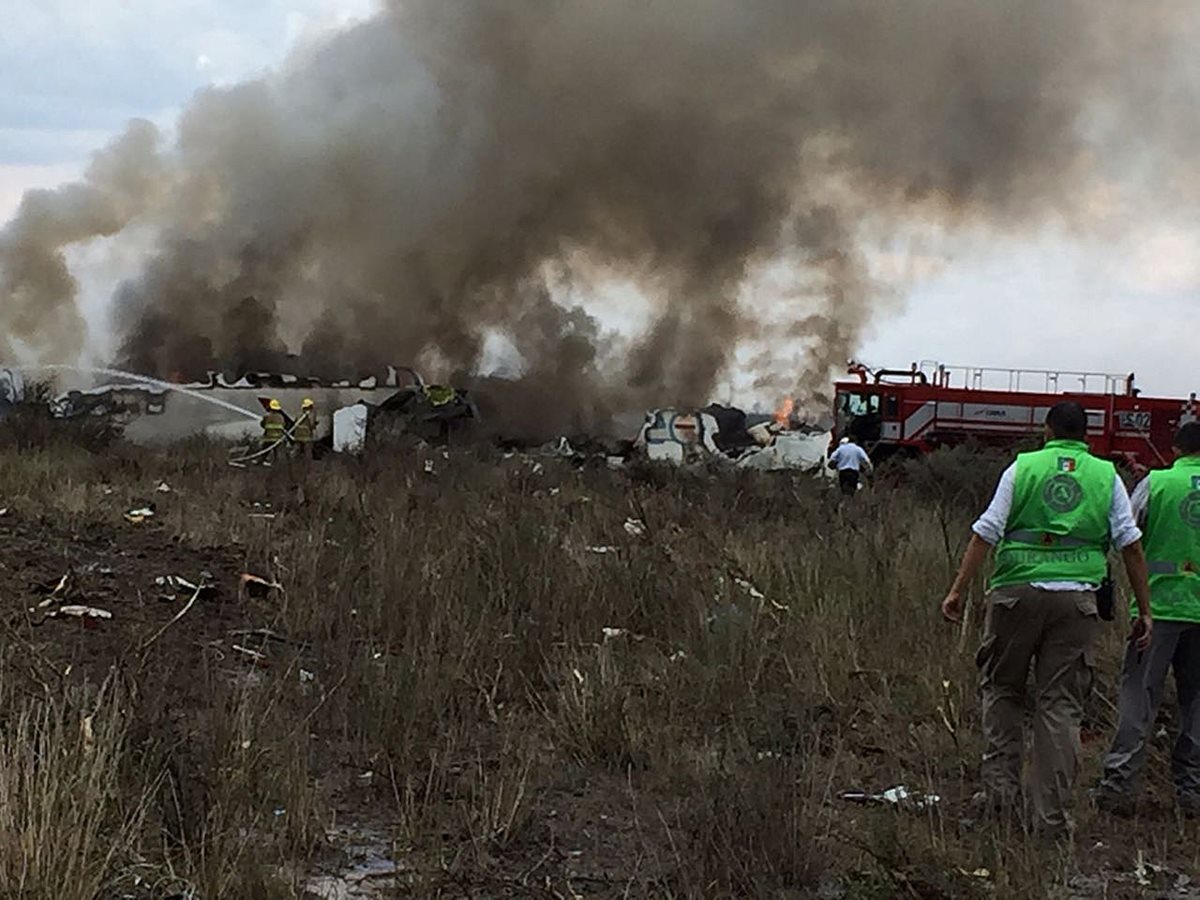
(431, 178)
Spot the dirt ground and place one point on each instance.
(502, 676)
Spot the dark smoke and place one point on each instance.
(425, 179)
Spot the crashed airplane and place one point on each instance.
(396, 402)
(727, 434)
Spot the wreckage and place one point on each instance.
(392, 403)
(729, 435)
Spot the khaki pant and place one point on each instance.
(1053, 631)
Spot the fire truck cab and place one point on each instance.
(930, 405)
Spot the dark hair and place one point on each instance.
(1187, 438)
(1067, 421)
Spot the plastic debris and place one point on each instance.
(429, 470)
(611, 633)
(602, 549)
(163, 488)
(57, 593)
(307, 676)
(79, 612)
(139, 515)
(3, 512)
(635, 527)
(259, 659)
(677, 656)
(899, 796)
(87, 733)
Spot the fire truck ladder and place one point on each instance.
(1045, 381)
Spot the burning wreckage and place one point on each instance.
(727, 434)
(399, 403)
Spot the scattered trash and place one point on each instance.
(578, 675)
(537, 469)
(366, 776)
(602, 549)
(615, 462)
(635, 527)
(677, 656)
(57, 593)
(307, 676)
(3, 512)
(163, 488)
(87, 733)
(280, 811)
(978, 873)
(611, 633)
(554, 491)
(899, 796)
(139, 515)
(429, 467)
(253, 586)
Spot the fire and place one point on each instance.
(783, 415)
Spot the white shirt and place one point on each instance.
(992, 525)
(1140, 501)
(850, 456)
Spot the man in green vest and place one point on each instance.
(1167, 504)
(1054, 515)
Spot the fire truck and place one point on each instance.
(931, 405)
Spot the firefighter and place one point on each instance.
(274, 431)
(1167, 505)
(303, 430)
(849, 459)
(1053, 516)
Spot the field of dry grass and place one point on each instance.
(477, 681)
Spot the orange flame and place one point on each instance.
(783, 415)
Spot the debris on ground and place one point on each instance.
(78, 612)
(172, 585)
(602, 549)
(140, 515)
(635, 527)
(163, 488)
(898, 796)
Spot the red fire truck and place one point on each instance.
(930, 405)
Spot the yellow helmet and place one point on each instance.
(307, 403)
(276, 406)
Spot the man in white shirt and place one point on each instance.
(849, 459)
(1052, 519)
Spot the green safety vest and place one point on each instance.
(302, 431)
(1057, 528)
(1173, 541)
(274, 427)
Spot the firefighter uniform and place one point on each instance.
(274, 429)
(1171, 511)
(303, 430)
(1041, 610)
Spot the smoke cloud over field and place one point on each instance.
(454, 170)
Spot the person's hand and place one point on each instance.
(952, 606)
(1142, 632)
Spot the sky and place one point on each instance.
(74, 71)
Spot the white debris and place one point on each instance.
(895, 796)
(163, 488)
(635, 527)
(602, 549)
(429, 470)
(611, 633)
(80, 612)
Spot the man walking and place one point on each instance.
(1167, 505)
(1053, 516)
(849, 459)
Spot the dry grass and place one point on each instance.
(518, 714)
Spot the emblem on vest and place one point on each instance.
(1062, 493)
(1189, 509)
(1066, 464)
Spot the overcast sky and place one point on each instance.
(74, 71)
